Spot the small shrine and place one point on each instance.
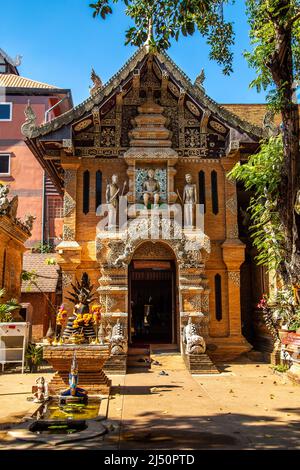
(76, 346)
(149, 214)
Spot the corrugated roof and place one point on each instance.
(49, 273)
(15, 81)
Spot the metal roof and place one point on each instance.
(15, 81)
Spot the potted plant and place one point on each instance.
(34, 356)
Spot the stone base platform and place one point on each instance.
(90, 360)
(227, 349)
(95, 383)
(116, 365)
(200, 364)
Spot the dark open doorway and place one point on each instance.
(151, 288)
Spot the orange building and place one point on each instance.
(150, 116)
(18, 167)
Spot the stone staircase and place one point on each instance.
(138, 357)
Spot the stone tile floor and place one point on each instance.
(247, 406)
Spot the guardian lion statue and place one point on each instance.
(195, 343)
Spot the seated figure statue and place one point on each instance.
(151, 189)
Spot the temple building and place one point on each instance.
(149, 213)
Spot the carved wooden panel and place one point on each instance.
(150, 250)
(129, 112)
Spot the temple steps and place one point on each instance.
(138, 357)
(200, 364)
(116, 365)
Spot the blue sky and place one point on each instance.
(60, 42)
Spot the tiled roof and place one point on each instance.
(15, 81)
(254, 113)
(49, 273)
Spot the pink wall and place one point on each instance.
(26, 178)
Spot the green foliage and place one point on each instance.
(6, 308)
(294, 325)
(285, 307)
(281, 308)
(273, 21)
(43, 248)
(34, 356)
(51, 261)
(160, 21)
(281, 368)
(261, 174)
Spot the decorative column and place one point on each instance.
(70, 180)
(233, 252)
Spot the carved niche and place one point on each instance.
(160, 175)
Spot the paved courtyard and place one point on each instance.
(247, 406)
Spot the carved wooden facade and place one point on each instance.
(198, 137)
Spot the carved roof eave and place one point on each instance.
(86, 106)
(46, 165)
(196, 93)
(14, 229)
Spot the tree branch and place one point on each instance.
(294, 19)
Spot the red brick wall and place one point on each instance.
(40, 314)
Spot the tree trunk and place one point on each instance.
(281, 68)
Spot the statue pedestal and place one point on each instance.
(90, 360)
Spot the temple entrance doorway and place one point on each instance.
(152, 301)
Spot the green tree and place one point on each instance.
(160, 21)
(275, 55)
(275, 35)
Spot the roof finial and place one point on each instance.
(30, 121)
(18, 60)
(200, 79)
(96, 81)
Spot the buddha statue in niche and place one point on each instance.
(151, 189)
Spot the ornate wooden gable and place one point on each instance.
(100, 127)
